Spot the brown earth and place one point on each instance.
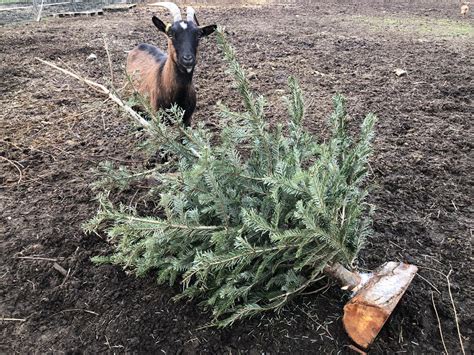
(55, 131)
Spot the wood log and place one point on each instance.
(366, 313)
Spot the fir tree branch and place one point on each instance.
(171, 225)
(255, 217)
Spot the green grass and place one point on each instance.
(443, 28)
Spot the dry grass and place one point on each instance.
(442, 28)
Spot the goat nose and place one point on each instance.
(188, 58)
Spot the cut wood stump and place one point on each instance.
(366, 313)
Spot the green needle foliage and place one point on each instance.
(248, 217)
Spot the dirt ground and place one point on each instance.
(55, 131)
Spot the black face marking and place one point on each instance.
(185, 38)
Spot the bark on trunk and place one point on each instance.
(347, 279)
(376, 296)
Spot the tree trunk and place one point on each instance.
(347, 279)
(376, 296)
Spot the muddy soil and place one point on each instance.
(55, 131)
(14, 13)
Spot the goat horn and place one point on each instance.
(173, 8)
(191, 14)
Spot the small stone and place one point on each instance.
(251, 75)
(400, 72)
(91, 57)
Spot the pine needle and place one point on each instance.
(246, 217)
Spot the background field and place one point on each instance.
(56, 131)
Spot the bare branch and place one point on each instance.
(102, 89)
(439, 324)
(455, 313)
(106, 46)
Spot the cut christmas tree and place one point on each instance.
(252, 216)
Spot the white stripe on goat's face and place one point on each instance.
(184, 25)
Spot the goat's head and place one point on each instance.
(183, 35)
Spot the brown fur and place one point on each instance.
(167, 78)
(142, 67)
(168, 75)
(161, 88)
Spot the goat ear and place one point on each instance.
(207, 30)
(159, 24)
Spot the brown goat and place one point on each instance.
(166, 78)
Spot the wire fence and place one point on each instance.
(31, 10)
(17, 3)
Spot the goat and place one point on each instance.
(464, 8)
(166, 78)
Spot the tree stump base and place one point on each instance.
(366, 313)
